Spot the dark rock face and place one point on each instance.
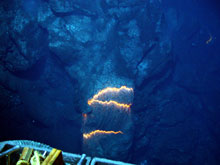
(176, 125)
(24, 41)
(55, 55)
(172, 130)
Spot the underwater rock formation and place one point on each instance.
(55, 55)
(19, 51)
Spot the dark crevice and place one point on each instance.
(75, 11)
(61, 65)
(73, 81)
(157, 76)
(18, 48)
(145, 55)
(149, 50)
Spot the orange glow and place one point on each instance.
(111, 102)
(84, 115)
(89, 135)
(109, 89)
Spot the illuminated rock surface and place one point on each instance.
(109, 122)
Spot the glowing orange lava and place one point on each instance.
(89, 135)
(84, 115)
(111, 102)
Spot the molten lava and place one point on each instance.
(89, 135)
(107, 90)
